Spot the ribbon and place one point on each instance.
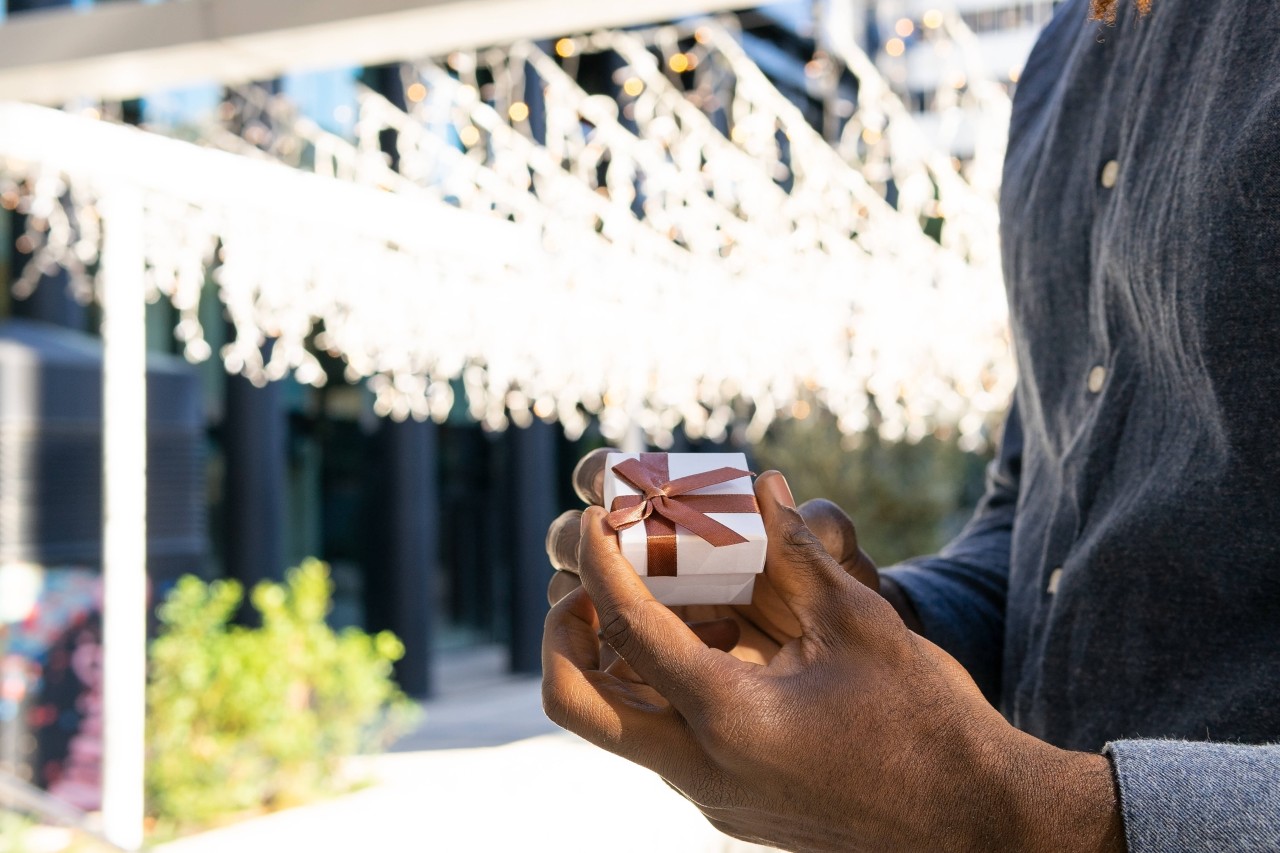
(663, 503)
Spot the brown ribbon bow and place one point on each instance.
(663, 503)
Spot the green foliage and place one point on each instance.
(905, 499)
(21, 834)
(13, 832)
(244, 718)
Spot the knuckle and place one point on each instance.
(732, 725)
(555, 704)
(711, 789)
(823, 511)
(561, 584)
(724, 730)
(623, 628)
(569, 706)
(807, 551)
(567, 606)
(833, 528)
(797, 536)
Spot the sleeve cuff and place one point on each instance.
(1181, 796)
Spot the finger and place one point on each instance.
(562, 583)
(722, 634)
(630, 720)
(770, 613)
(839, 538)
(806, 577)
(562, 541)
(653, 640)
(833, 528)
(588, 476)
(752, 645)
(755, 646)
(772, 485)
(569, 635)
(768, 610)
(622, 671)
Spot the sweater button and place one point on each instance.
(1110, 174)
(1097, 378)
(1055, 579)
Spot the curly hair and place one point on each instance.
(1105, 10)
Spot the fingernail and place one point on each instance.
(776, 485)
(588, 476)
(562, 540)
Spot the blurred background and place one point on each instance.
(307, 311)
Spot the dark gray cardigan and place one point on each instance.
(1120, 582)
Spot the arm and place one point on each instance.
(958, 596)
(1174, 795)
(857, 735)
(1198, 796)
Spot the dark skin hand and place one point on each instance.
(844, 731)
(753, 632)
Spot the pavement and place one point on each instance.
(486, 772)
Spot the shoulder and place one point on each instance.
(1051, 56)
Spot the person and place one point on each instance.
(1116, 594)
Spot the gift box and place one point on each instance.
(688, 523)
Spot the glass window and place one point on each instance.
(326, 97)
(187, 107)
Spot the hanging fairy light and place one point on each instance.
(654, 271)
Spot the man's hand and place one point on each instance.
(754, 632)
(858, 734)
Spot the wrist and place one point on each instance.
(892, 593)
(1062, 801)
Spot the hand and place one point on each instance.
(753, 632)
(857, 735)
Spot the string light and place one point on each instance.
(699, 290)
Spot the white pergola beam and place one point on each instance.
(106, 154)
(123, 50)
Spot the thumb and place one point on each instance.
(814, 586)
(653, 640)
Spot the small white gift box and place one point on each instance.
(688, 523)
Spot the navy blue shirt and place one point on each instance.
(1120, 582)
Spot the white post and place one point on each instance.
(124, 478)
(634, 441)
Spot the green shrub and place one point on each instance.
(242, 719)
(13, 832)
(20, 833)
(905, 499)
